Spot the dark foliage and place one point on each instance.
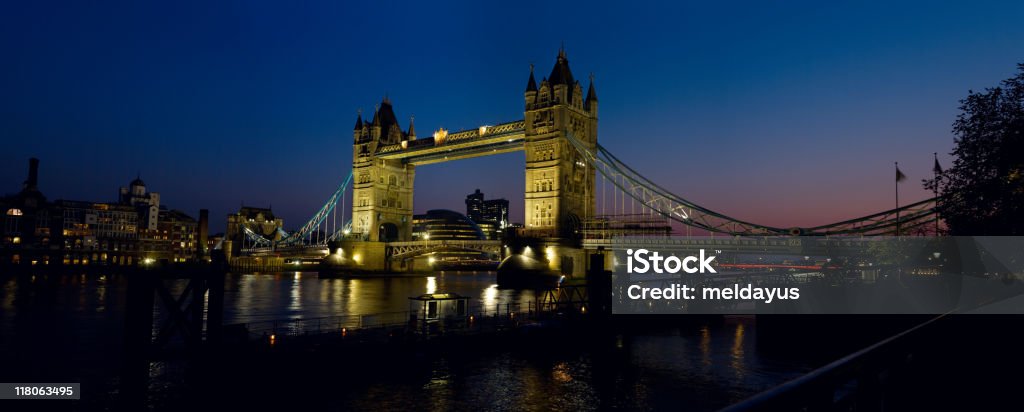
(983, 191)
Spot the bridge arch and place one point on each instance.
(387, 232)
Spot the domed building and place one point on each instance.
(148, 203)
(441, 224)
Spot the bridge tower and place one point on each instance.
(382, 190)
(559, 184)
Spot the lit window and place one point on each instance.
(14, 212)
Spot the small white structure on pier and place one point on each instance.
(434, 312)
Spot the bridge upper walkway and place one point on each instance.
(419, 247)
(444, 146)
(392, 249)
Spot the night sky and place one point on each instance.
(780, 115)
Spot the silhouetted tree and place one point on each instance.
(983, 192)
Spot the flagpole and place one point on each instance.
(935, 191)
(897, 199)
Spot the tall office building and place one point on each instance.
(490, 215)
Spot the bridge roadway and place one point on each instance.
(797, 246)
(393, 250)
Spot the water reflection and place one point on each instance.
(705, 346)
(738, 367)
(700, 367)
(645, 372)
(296, 295)
(261, 297)
(431, 284)
(561, 373)
(101, 297)
(353, 294)
(244, 290)
(489, 297)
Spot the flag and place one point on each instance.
(899, 175)
(937, 169)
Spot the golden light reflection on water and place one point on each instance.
(264, 297)
(431, 284)
(245, 292)
(295, 302)
(738, 364)
(560, 373)
(489, 297)
(352, 302)
(337, 291)
(325, 294)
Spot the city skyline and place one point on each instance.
(214, 113)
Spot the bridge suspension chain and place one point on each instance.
(627, 182)
(311, 232)
(318, 230)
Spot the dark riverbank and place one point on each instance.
(69, 328)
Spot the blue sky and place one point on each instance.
(784, 115)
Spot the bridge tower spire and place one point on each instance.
(559, 184)
(591, 102)
(531, 88)
(382, 189)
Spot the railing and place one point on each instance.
(327, 324)
(464, 243)
(478, 316)
(399, 249)
(462, 136)
(259, 250)
(856, 382)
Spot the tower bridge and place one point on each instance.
(559, 188)
(577, 194)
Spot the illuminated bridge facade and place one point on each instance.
(577, 194)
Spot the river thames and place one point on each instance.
(67, 328)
